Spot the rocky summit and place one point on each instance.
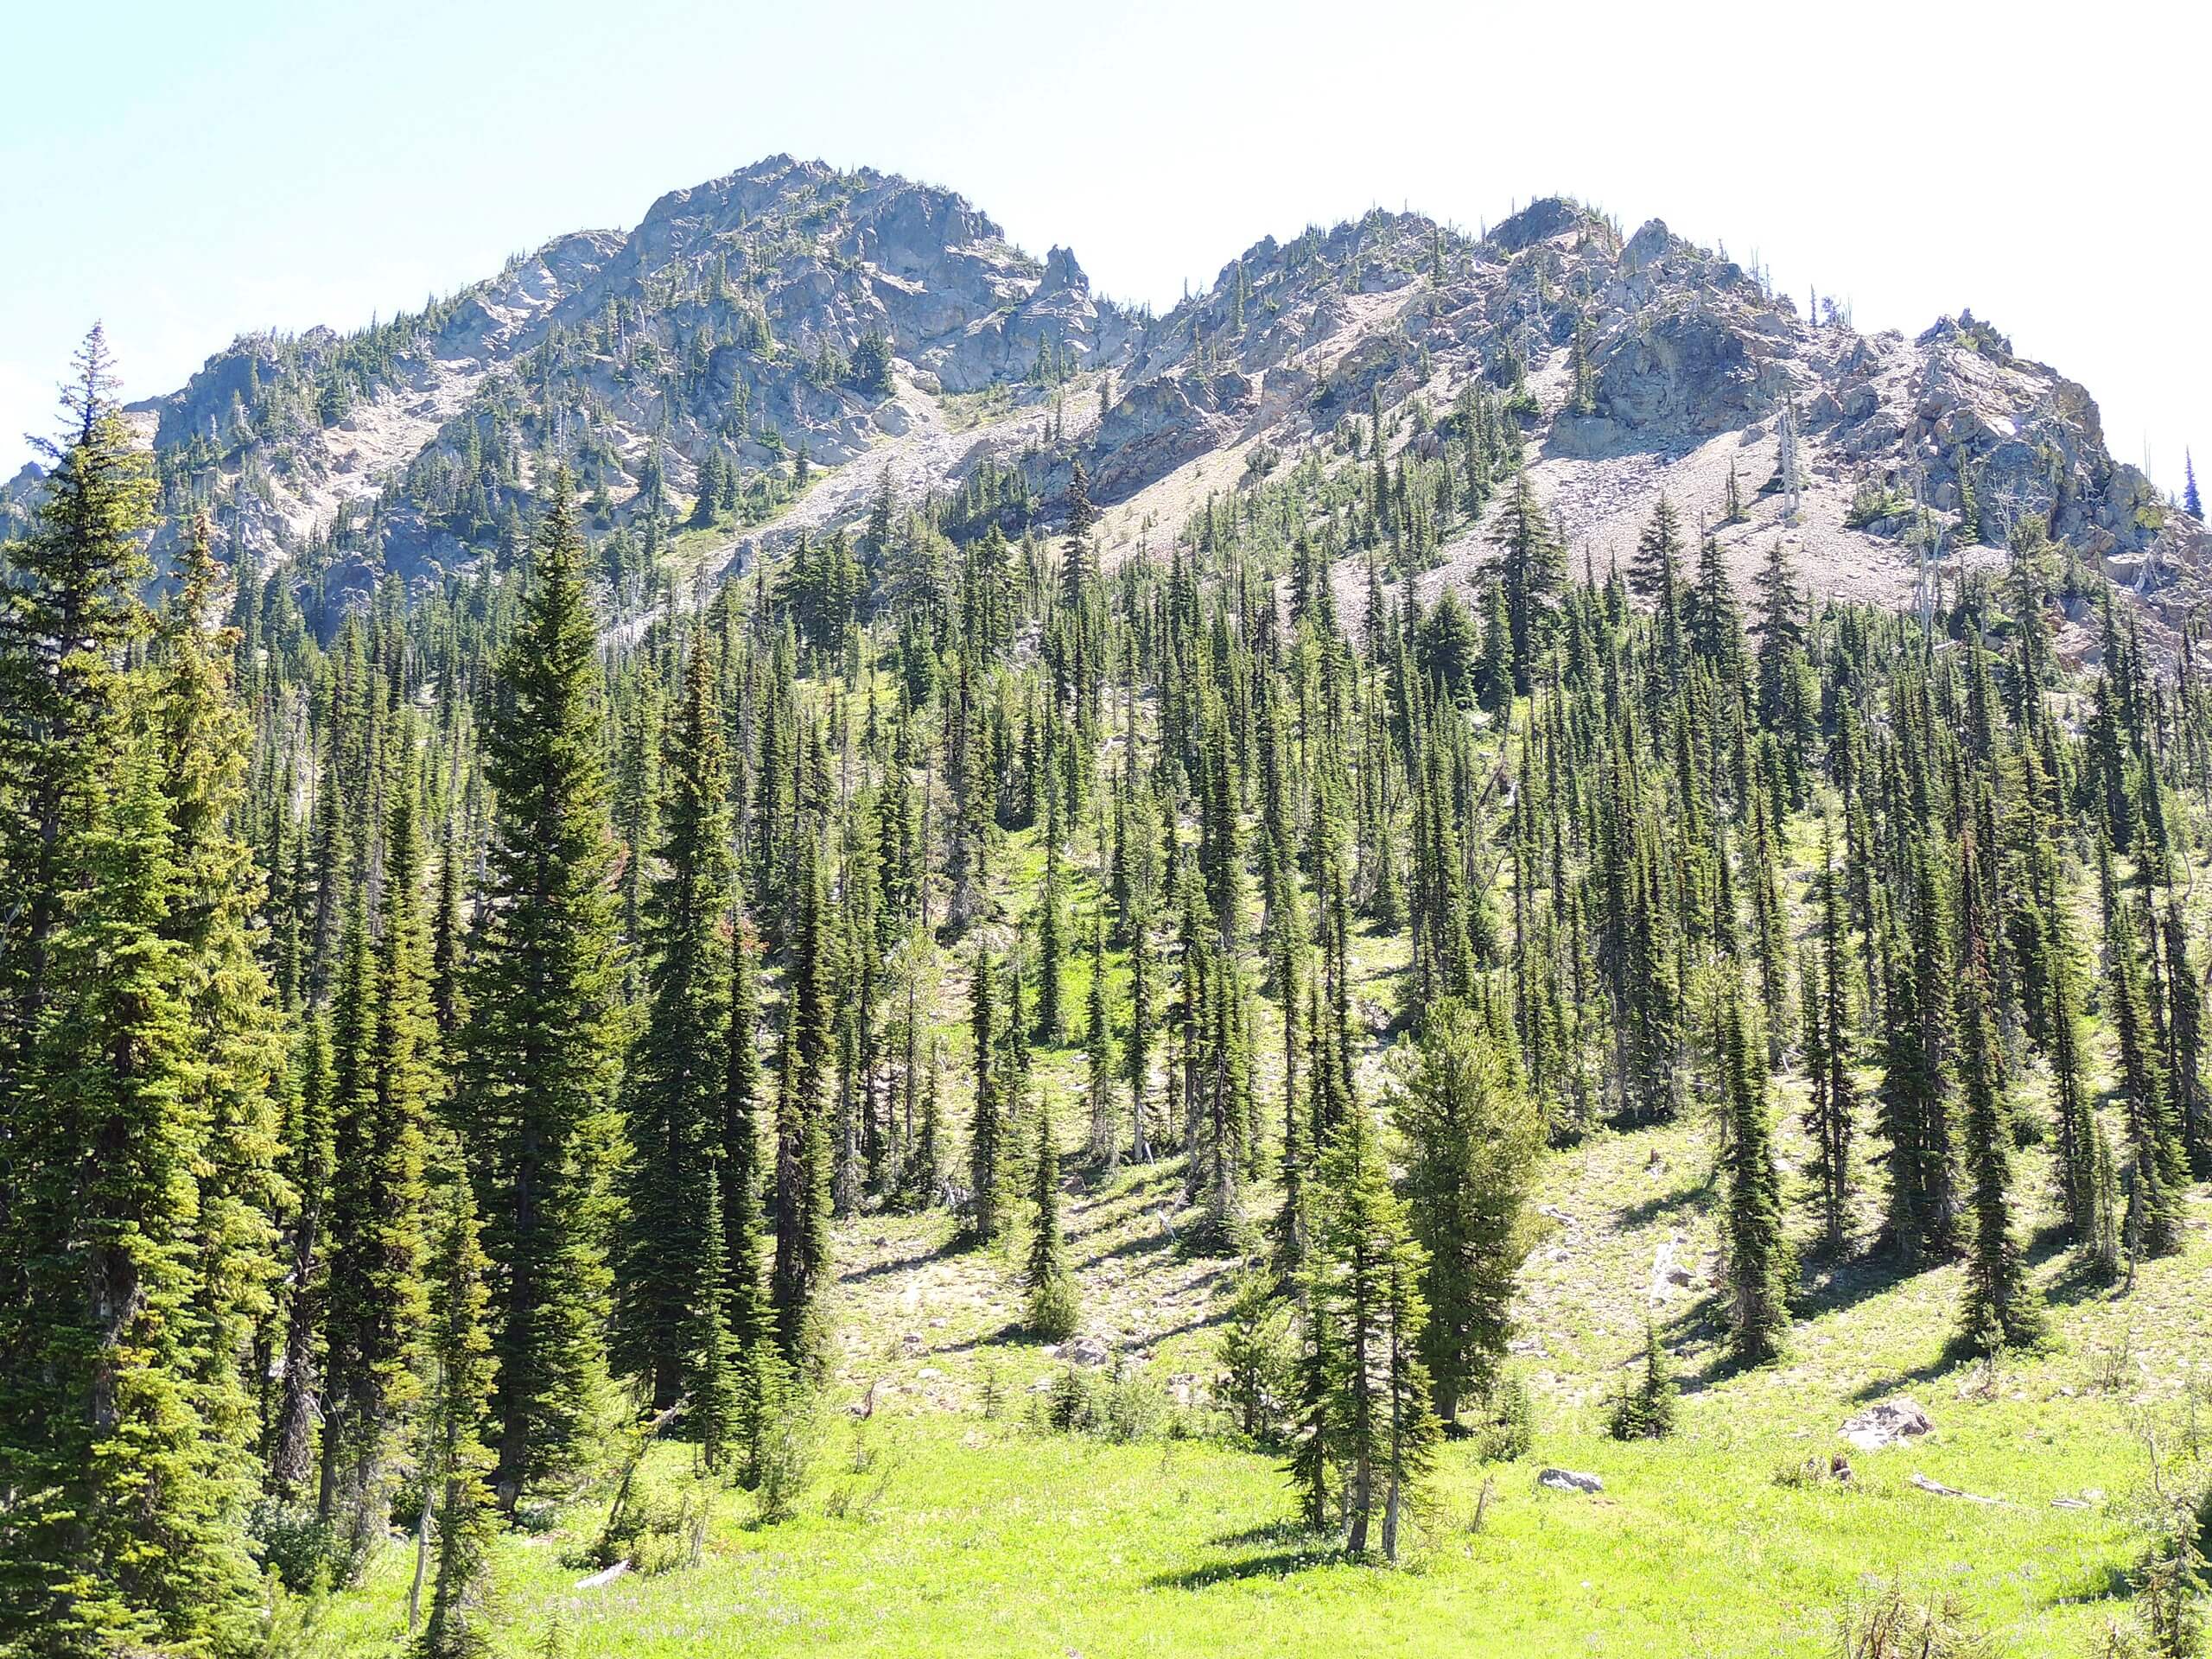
(791, 341)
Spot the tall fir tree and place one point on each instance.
(680, 1063)
(545, 975)
(457, 1462)
(1755, 1244)
(1472, 1142)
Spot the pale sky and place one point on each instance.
(186, 173)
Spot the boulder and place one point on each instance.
(1650, 244)
(1940, 1490)
(1568, 1480)
(1885, 1423)
(1083, 1351)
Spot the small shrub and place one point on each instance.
(1809, 1472)
(1478, 1516)
(1131, 1406)
(303, 1551)
(1511, 1428)
(1255, 1359)
(788, 1438)
(993, 1398)
(860, 1496)
(557, 1640)
(2169, 1600)
(1067, 1404)
(1872, 502)
(2111, 1365)
(1644, 1407)
(1055, 1308)
(1892, 1626)
(655, 1524)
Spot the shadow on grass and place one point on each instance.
(1202, 1322)
(1644, 1211)
(1013, 1332)
(1298, 1550)
(2078, 1282)
(1283, 1532)
(1890, 1381)
(1151, 1242)
(2110, 1582)
(1844, 1280)
(956, 1245)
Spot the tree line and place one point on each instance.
(436, 1042)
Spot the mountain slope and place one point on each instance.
(790, 337)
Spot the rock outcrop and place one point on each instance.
(794, 339)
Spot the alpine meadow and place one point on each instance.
(778, 936)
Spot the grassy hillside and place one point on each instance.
(942, 1514)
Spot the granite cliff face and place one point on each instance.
(791, 340)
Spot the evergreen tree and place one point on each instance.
(1755, 1247)
(1915, 1112)
(1045, 1275)
(1052, 947)
(377, 1293)
(1472, 1140)
(1364, 1286)
(1644, 1409)
(1532, 570)
(986, 1172)
(680, 1065)
(1097, 1044)
(124, 1528)
(68, 609)
(458, 1462)
(1999, 1309)
(543, 978)
(2156, 1173)
(1831, 1112)
(712, 1380)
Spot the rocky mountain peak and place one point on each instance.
(782, 340)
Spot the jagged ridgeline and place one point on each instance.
(696, 374)
(774, 815)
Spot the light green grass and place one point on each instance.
(991, 1537)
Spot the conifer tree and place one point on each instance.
(1137, 1047)
(68, 608)
(458, 1462)
(1831, 1117)
(712, 1379)
(680, 1063)
(543, 978)
(1051, 945)
(1364, 1287)
(986, 1171)
(1755, 1247)
(1472, 1140)
(377, 1292)
(2156, 1171)
(1644, 1409)
(737, 1162)
(1532, 570)
(1045, 1277)
(1098, 1052)
(123, 1529)
(309, 1163)
(1999, 1309)
(1915, 1118)
(204, 743)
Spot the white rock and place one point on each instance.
(1568, 1480)
(1885, 1423)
